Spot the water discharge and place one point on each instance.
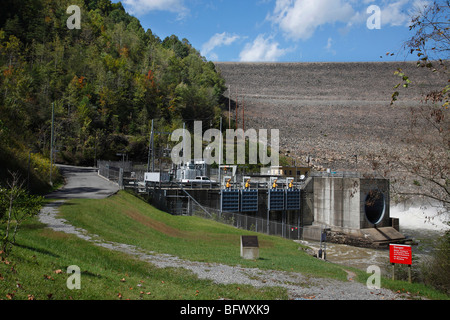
(420, 224)
(420, 218)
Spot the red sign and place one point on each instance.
(400, 254)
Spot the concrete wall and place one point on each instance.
(340, 203)
(337, 202)
(307, 202)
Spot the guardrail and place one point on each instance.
(131, 183)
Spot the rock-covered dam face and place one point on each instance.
(335, 117)
(329, 112)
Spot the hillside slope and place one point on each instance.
(96, 89)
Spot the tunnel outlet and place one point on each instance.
(375, 206)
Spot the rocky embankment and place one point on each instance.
(329, 112)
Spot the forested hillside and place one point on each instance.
(107, 81)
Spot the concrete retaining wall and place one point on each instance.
(341, 203)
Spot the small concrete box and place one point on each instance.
(249, 247)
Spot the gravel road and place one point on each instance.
(85, 183)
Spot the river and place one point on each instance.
(416, 223)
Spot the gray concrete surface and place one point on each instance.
(83, 183)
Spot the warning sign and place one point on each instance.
(401, 254)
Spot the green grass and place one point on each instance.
(32, 271)
(38, 270)
(125, 218)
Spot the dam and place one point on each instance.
(343, 207)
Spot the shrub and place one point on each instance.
(436, 271)
(16, 206)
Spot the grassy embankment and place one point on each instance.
(37, 268)
(33, 168)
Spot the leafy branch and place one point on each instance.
(431, 43)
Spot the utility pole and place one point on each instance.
(243, 115)
(220, 150)
(153, 148)
(237, 104)
(51, 143)
(28, 180)
(229, 107)
(184, 144)
(150, 148)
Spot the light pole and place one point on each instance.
(150, 151)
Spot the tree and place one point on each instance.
(180, 48)
(421, 169)
(16, 206)
(431, 43)
(437, 268)
(110, 77)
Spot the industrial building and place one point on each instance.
(345, 206)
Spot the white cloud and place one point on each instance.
(393, 14)
(399, 13)
(262, 49)
(420, 5)
(299, 19)
(141, 7)
(329, 46)
(218, 40)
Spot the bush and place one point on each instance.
(436, 271)
(16, 206)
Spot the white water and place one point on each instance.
(423, 225)
(423, 218)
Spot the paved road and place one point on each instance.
(80, 183)
(83, 183)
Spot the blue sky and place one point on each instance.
(283, 30)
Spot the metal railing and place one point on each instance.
(248, 222)
(346, 174)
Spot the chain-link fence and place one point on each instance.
(109, 170)
(120, 172)
(182, 203)
(247, 222)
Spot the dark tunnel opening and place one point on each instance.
(375, 206)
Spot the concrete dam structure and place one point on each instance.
(347, 209)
